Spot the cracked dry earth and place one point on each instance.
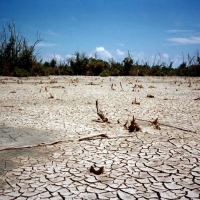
(47, 138)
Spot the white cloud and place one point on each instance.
(120, 53)
(165, 56)
(103, 53)
(178, 31)
(58, 57)
(186, 41)
(177, 60)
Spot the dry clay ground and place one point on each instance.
(47, 146)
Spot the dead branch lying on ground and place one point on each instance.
(97, 172)
(150, 96)
(91, 83)
(57, 86)
(100, 113)
(37, 145)
(93, 137)
(167, 125)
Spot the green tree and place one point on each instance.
(53, 63)
(116, 68)
(96, 66)
(127, 64)
(78, 63)
(155, 71)
(15, 52)
(182, 70)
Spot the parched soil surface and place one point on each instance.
(53, 145)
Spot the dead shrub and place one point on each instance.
(133, 127)
(156, 124)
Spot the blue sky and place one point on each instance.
(111, 28)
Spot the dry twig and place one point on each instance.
(94, 137)
(121, 86)
(100, 113)
(51, 96)
(125, 125)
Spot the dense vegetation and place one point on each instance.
(19, 59)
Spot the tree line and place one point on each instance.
(19, 59)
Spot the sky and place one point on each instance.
(164, 30)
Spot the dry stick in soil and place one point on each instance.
(155, 124)
(135, 102)
(100, 113)
(112, 88)
(121, 86)
(51, 96)
(125, 125)
(134, 126)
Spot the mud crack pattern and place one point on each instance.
(152, 164)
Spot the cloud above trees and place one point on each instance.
(103, 53)
(120, 53)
